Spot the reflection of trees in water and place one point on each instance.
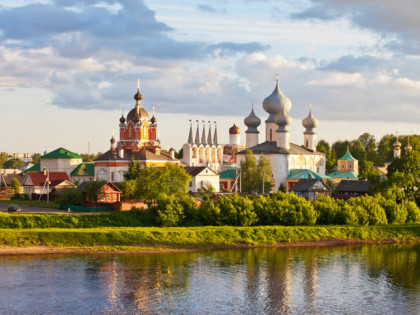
(261, 280)
(143, 283)
(400, 264)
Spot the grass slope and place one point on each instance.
(203, 236)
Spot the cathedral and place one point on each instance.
(283, 155)
(138, 140)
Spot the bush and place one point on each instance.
(413, 212)
(328, 211)
(236, 210)
(70, 196)
(394, 212)
(169, 211)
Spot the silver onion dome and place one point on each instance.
(283, 121)
(252, 122)
(276, 102)
(310, 123)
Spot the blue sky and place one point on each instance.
(67, 67)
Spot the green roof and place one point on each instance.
(352, 175)
(61, 153)
(84, 169)
(34, 168)
(229, 173)
(305, 173)
(347, 157)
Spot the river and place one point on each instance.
(369, 279)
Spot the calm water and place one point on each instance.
(379, 279)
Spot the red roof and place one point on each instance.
(56, 178)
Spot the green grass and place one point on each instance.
(202, 237)
(32, 203)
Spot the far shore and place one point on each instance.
(164, 248)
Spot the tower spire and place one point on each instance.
(203, 135)
(215, 139)
(197, 134)
(209, 138)
(190, 136)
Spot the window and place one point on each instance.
(350, 165)
(190, 184)
(108, 198)
(271, 134)
(342, 165)
(112, 177)
(114, 197)
(130, 131)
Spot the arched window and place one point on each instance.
(130, 131)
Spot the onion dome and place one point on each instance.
(122, 119)
(153, 120)
(234, 130)
(134, 117)
(408, 147)
(276, 102)
(112, 143)
(310, 123)
(397, 144)
(252, 122)
(283, 120)
(138, 96)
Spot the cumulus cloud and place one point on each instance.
(397, 22)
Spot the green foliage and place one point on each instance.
(236, 211)
(413, 212)
(368, 210)
(15, 185)
(169, 211)
(70, 196)
(93, 190)
(149, 182)
(35, 158)
(90, 157)
(404, 173)
(3, 159)
(255, 176)
(128, 189)
(13, 163)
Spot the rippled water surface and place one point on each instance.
(376, 279)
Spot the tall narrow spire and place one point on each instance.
(209, 138)
(197, 134)
(203, 135)
(138, 97)
(215, 139)
(190, 136)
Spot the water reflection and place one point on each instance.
(373, 279)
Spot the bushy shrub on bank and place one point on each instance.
(285, 209)
(277, 209)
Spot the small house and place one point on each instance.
(311, 188)
(352, 188)
(43, 183)
(202, 177)
(108, 193)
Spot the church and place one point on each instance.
(284, 156)
(138, 141)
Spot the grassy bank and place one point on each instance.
(202, 237)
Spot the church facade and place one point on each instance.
(138, 141)
(283, 155)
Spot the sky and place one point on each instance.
(68, 67)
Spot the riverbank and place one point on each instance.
(155, 239)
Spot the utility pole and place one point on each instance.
(263, 179)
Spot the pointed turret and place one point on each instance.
(209, 138)
(203, 135)
(197, 134)
(190, 136)
(215, 139)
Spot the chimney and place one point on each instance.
(121, 153)
(172, 153)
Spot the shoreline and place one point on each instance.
(169, 249)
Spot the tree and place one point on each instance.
(331, 160)
(370, 173)
(15, 186)
(35, 158)
(3, 159)
(70, 196)
(358, 151)
(248, 170)
(90, 157)
(404, 172)
(13, 163)
(264, 171)
(152, 181)
(255, 176)
(93, 190)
